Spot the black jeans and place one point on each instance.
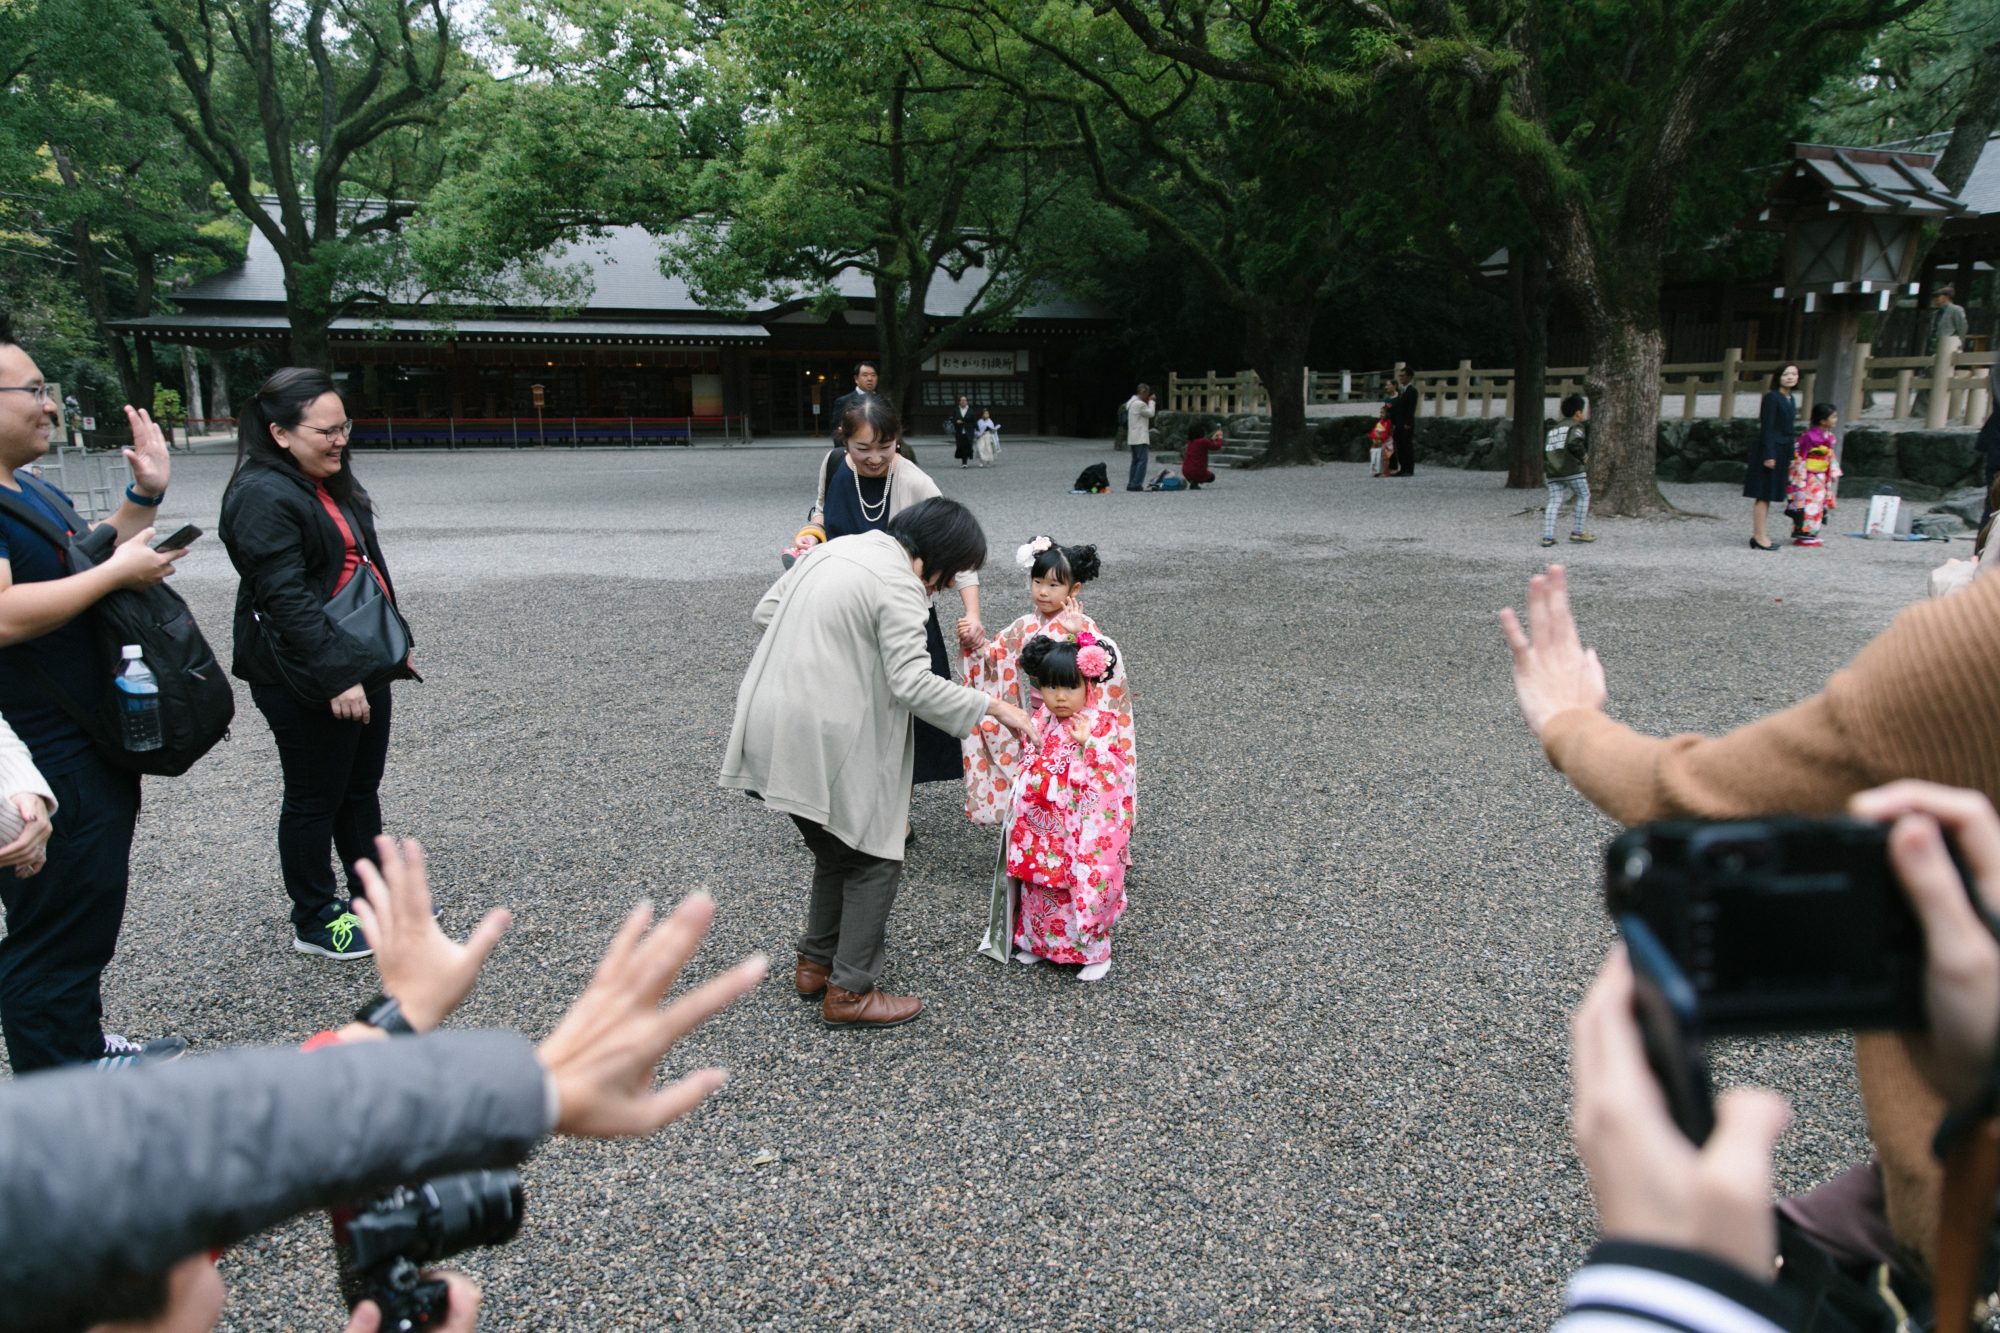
(62, 924)
(847, 917)
(333, 770)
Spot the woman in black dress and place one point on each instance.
(1770, 458)
(862, 485)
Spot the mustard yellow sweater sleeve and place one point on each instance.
(1920, 701)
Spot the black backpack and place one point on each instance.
(196, 702)
(1093, 478)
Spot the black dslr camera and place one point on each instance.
(1759, 926)
(384, 1246)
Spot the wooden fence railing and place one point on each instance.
(1955, 387)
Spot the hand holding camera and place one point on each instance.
(1742, 898)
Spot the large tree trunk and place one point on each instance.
(1529, 290)
(311, 342)
(1624, 389)
(1276, 338)
(218, 385)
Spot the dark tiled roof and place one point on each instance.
(212, 322)
(625, 276)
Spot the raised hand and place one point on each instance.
(423, 969)
(1553, 671)
(603, 1054)
(152, 465)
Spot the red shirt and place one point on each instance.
(350, 558)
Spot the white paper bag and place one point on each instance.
(1882, 510)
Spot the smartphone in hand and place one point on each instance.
(179, 541)
(1664, 1004)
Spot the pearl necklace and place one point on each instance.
(881, 509)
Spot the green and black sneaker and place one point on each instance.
(339, 938)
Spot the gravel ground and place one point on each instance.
(1325, 1086)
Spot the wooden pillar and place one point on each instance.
(1732, 357)
(1938, 405)
(1857, 389)
(1839, 353)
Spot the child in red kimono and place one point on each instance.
(1814, 478)
(1072, 817)
(1381, 444)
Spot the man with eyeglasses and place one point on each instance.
(63, 918)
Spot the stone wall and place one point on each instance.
(1920, 464)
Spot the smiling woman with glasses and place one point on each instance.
(300, 529)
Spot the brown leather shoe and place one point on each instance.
(845, 1009)
(809, 978)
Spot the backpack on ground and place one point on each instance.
(196, 702)
(1168, 480)
(1093, 478)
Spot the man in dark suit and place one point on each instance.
(866, 377)
(963, 423)
(1403, 423)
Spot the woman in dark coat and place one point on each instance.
(298, 526)
(1771, 457)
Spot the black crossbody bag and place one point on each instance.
(363, 610)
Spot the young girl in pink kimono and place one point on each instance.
(1071, 820)
(1056, 575)
(1815, 477)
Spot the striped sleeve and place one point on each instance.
(1629, 1288)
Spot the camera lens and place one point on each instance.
(1637, 863)
(473, 1208)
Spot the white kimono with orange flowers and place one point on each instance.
(992, 755)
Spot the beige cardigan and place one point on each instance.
(822, 725)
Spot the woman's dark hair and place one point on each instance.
(1073, 564)
(1779, 373)
(1048, 661)
(282, 402)
(1573, 404)
(1821, 411)
(875, 411)
(943, 534)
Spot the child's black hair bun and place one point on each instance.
(1083, 566)
(1034, 653)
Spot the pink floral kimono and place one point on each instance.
(1814, 483)
(992, 755)
(1067, 839)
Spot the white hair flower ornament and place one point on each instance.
(1025, 554)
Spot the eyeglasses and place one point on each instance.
(344, 430)
(44, 393)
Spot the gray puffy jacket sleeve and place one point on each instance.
(109, 1176)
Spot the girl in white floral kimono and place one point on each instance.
(1056, 575)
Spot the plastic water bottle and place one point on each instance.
(139, 702)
